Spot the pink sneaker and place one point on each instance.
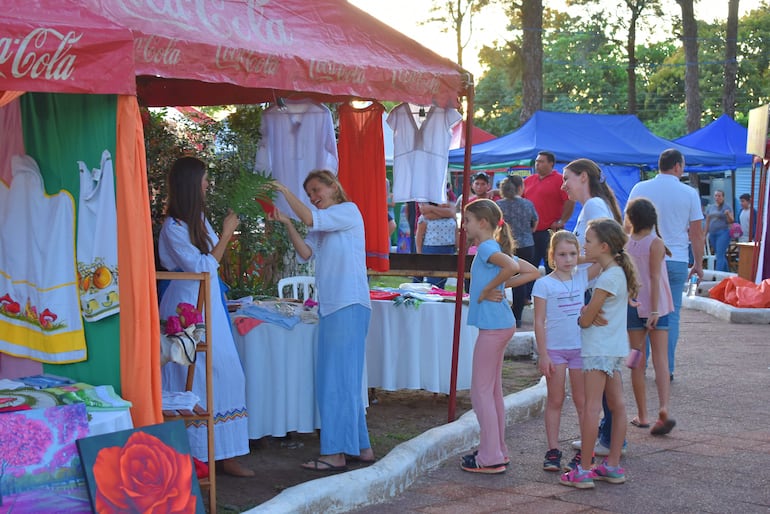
(578, 478)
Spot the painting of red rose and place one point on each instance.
(145, 470)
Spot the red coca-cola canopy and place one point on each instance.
(61, 46)
(247, 51)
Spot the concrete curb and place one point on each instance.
(726, 312)
(395, 472)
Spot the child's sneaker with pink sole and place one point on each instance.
(578, 478)
(613, 475)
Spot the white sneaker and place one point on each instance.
(599, 449)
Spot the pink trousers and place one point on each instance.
(487, 394)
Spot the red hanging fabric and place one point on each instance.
(361, 172)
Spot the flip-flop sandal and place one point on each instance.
(663, 427)
(356, 458)
(639, 424)
(328, 468)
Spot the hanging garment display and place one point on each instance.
(296, 138)
(13, 142)
(421, 152)
(97, 246)
(362, 175)
(39, 310)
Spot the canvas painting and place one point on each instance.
(147, 469)
(40, 468)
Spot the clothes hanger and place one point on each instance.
(279, 101)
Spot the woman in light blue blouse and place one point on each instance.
(336, 240)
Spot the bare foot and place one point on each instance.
(366, 455)
(234, 468)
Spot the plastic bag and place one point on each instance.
(739, 292)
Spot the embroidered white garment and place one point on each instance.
(296, 139)
(98, 241)
(11, 136)
(421, 153)
(39, 310)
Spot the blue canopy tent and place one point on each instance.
(723, 135)
(726, 136)
(619, 143)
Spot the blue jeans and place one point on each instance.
(677, 276)
(719, 241)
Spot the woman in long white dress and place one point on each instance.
(188, 243)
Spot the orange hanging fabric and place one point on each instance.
(140, 327)
(361, 172)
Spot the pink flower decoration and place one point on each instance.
(182, 306)
(173, 325)
(188, 315)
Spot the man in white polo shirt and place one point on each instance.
(679, 221)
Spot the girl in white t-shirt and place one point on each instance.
(604, 349)
(558, 299)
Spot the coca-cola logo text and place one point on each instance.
(420, 81)
(328, 70)
(157, 50)
(251, 62)
(44, 53)
(252, 24)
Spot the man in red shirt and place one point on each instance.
(553, 206)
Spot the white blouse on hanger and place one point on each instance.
(296, 139)
(421, 153)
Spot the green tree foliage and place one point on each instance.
(584, 70)
(261, 251)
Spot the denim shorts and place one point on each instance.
(569, 357)
(607, 364)
(634, 322)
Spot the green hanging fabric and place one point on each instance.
(60, 130)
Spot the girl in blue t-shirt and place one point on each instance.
(492, 270)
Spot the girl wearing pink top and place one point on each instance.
(648, 315)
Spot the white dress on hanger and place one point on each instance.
(296, 139)
(421, 153)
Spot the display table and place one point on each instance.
(411, 348)
(105, 422)
(406, 348)
(279, 365)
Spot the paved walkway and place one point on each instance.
(717, 459)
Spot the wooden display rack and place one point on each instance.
(199, 413)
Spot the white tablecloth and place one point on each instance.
(279, 365)
(105, 422)
(411, 348)
(406, 348)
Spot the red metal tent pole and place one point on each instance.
(469, 92)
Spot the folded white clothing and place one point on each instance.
(182, 400)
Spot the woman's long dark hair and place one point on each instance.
(185, 199)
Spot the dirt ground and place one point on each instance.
(395, 417)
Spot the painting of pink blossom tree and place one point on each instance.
(39, 463)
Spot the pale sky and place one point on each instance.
(406, 15)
